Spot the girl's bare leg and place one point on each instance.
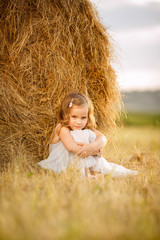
(94, 173)
(87, 172)
(90, 173)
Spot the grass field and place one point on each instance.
(141, 119)
(37, 204)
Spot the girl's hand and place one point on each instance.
(80, 144)
(99, 153)
(87, 150)
(94, 147)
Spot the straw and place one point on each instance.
(50, 48)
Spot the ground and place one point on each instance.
(37, 204)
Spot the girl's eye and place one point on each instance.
(84, 117)
(73, 116)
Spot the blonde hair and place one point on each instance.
(77, 99)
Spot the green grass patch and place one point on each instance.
(141, 119)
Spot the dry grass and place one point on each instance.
(50, 48)
(37, 204)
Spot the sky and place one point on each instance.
(135, 28)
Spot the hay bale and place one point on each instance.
(50, 48)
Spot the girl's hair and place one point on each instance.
(77, 99)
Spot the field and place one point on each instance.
(142, 119)
(37, 204)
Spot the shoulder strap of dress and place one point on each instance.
(54, 131)
(57, 127)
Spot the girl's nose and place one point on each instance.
(79, 121)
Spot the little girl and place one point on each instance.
(76, 141)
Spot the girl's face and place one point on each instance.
(78, 117)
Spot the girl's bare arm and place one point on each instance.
(83, 150)
(68, 141)
(101, 139)
(93, 147)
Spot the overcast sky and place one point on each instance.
(135, 28)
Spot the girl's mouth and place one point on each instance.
(78, 127)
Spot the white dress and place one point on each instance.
(60, 158)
